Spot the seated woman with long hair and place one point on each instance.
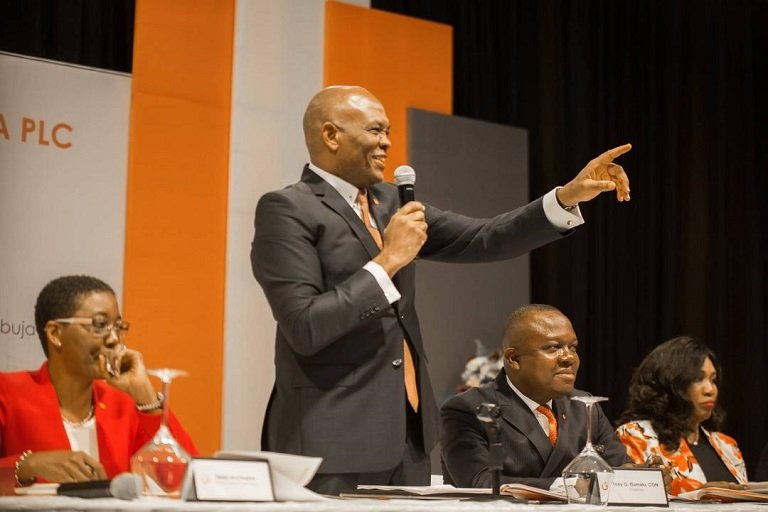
(91, 405)
(673, 415)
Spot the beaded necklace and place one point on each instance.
(78, 424)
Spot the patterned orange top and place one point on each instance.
(641, 442)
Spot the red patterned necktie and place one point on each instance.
(409, 370)
(546, 411)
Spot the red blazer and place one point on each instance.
(30, 419)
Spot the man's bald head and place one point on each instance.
(332, 104)
(519, 323)
(346, 132)
(540, 352)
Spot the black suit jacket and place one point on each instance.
(339, 390)
(529, 457)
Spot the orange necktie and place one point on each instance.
(546, 411)
(409, 370)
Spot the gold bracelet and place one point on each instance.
(19, 462)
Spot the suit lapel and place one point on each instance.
(516, 413)
(333, 200)
(47, 395)
(561, 408)
(380, 211)
(104, 421)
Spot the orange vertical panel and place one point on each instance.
(403, 61)
(176, 218)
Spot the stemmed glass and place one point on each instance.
(588, 477)
(161, 462)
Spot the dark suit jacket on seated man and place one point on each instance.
(334, 255)
(540, 366)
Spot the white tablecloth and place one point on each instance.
(61, 503)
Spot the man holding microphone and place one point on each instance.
(334, 255)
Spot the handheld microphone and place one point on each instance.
(405, 178)
(125, 486)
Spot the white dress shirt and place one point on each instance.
(82, 438)
(532, 405)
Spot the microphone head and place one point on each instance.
(126, 486)
(405, 175)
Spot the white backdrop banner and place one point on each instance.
(63, 160)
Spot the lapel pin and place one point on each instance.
(564, 417)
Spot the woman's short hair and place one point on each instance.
(659, 385)
(61, 298)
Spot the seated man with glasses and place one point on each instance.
(541, 428)
(91, 405)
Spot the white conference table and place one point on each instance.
(62, 503)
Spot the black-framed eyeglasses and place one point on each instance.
(99, 326)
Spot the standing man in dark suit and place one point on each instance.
(334, 254)
(541, 428)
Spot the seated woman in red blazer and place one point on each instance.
(91, 405)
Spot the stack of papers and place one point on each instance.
(755, 491)
(38, 490)
(528, 493)
(290, 473)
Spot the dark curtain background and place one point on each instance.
(685, 83)
(96, 33)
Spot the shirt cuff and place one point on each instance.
(385, 283)
(558, 216)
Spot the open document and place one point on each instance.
(519, 492)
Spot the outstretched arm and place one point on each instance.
(600, 175)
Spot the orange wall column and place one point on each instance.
(176, 215)
(405, 62)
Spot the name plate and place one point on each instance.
(228, 480)
(638, 486)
